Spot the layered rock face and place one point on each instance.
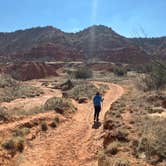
(96, 42)
(30, 70)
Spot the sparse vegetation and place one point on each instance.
(8, 144)
(119, 71)
(83, 73)
(14, 144)
(103, 88)
(7, 81)
(60, 105)
(154, 79)
(112, 148)
(105, 160)
(21, 132)
(121, 162)
(153, 141)
(83, 90)
(4, 116)
(19, 143)
(11, 89)
(67, 85)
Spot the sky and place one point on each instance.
(130, 18)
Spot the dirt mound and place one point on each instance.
(30, 70)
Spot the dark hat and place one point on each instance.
(97, 93)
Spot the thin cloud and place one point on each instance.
(94, 10)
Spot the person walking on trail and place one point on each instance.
(97, 100)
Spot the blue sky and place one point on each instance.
(126, 17)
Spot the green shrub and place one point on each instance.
(21, 132)
(119, 71)
(83, 90)
(59, 104)
(14, 144)
(8, 144)
(7, 81)
(83, 73)
(67, 85)
(44, 126)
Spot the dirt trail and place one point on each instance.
(29, 103)
(73, 143)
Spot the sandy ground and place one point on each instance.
(75, 142)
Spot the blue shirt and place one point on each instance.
(97, 100)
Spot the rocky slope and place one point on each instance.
(30, 70)
(96, 42)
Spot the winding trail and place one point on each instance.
(74, 142)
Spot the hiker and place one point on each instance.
(97, 100)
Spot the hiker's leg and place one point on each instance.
(98, 115)
(98, 112)
(95, 113)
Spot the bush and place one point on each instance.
(55, 122)
(119, 71)
(87, 90)
(122, 134)
(21, 132)
(112, 148)
(103, 159)
(67, 85)
(121, 162)
(4, 116)
(59, 104)
(83, 73)
(19, 144)
(154, 80)
(13, 89)
(56, 119)
(7, 81)
(153, 141)
(14, 144)
(103, 88)
(44, 126)
(8, 144)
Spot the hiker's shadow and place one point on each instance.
(96, 125)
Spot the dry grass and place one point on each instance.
(152, 141)
(60, 105)
(83, 90)
(21, 132)
(11, 89)
(112, 148)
